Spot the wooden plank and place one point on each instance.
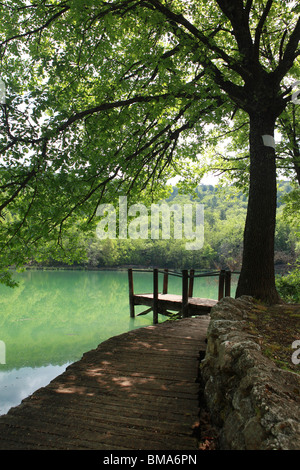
(155, 296)
(185, 295)
(227, 283)
(221, 284)
(191, 282)
(145, 311)
(165, 285)
(131, 292)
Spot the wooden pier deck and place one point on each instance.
(136, 391)
(196, 305)
(185, 304)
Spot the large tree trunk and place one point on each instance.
(257, 276)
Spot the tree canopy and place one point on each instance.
(114, 97)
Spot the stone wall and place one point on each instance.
(254, 404)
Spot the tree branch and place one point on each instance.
(289, 54)
(178, 19)
(22, 185)
(248, 8)
(239, 19)
(259, 28)
(37, 30)
(281, 45)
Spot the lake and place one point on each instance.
(53, 317)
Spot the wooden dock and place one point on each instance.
(185, 303)
(136, 391)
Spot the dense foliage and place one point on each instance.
(289, 286)
(224, 218)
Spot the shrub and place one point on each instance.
(289, 286)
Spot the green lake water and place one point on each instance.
(53, 317)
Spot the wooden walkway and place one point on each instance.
(136, 391)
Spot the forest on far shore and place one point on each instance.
(224, 221)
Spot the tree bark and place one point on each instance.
(257, 276)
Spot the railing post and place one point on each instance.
(165, 286)
(131, 293)
(155, 296)
(227, 283)
(191, 282)
(185, 293)
(221, 284)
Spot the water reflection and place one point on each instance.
(54, 317)
(17, 384)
